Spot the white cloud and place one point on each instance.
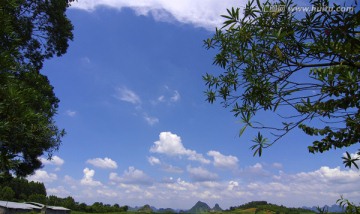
(172, 169)
(317, 187)
(105, 163)
(277, 165)
(205, 13)
(175, 97)
(88, 178)
(42, 176)
(151, 120)
(170, 144)
(124, 94)
(107, 193)
(131, 176)
(153, 160)
(58, 191)
(223, 161)
(201, 174)
(161, 98)
(55, 160)
(71, 113)
(169, 96)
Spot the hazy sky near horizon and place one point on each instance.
(139, 130)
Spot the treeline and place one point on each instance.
(262, 206)
(21, 190)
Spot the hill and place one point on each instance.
(217, 208)
(199, 207)
(268, 208)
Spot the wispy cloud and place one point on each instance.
(131, 176)
(105, 163)
(127, 95)
(71, 113)
(201, 174)
(168, 96)
(153, 160)
(175, 97)
(151, 120)
(205, 13)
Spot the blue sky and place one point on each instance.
(139, 130)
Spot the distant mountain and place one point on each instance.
(217, 208)
(199, 207)
(333, 208)
(145, 209)
(166, 210)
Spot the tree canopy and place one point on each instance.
(30, 32)
(301, 65)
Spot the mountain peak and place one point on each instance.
(199, 207)
(217, 208)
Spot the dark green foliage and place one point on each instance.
(30, 32)
(23, 188)
(34, 30)
(303, 67)
(7, 194)
(265, 207)
(37, 198)
(145, 209)
(27, 130)
(350, 207)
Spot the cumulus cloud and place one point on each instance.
(317, 187)
(201, 174)
(88, 178)
(205, 13)
(127, 95)
(223, 161)
(105, 163)
(55, 160)
(42, 176)
(131, 176)
(170, 144)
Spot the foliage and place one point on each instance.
(27, 129)
(34, 30)
(23, 188)
(265, 207)
(349, 207)
(7, 194)
(265, 53)
(30, 32)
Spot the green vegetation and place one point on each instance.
(30, 32)
(19, 189)
(264, 207)
(265, 53)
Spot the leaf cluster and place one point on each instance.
(30, 32)
(265, 55)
